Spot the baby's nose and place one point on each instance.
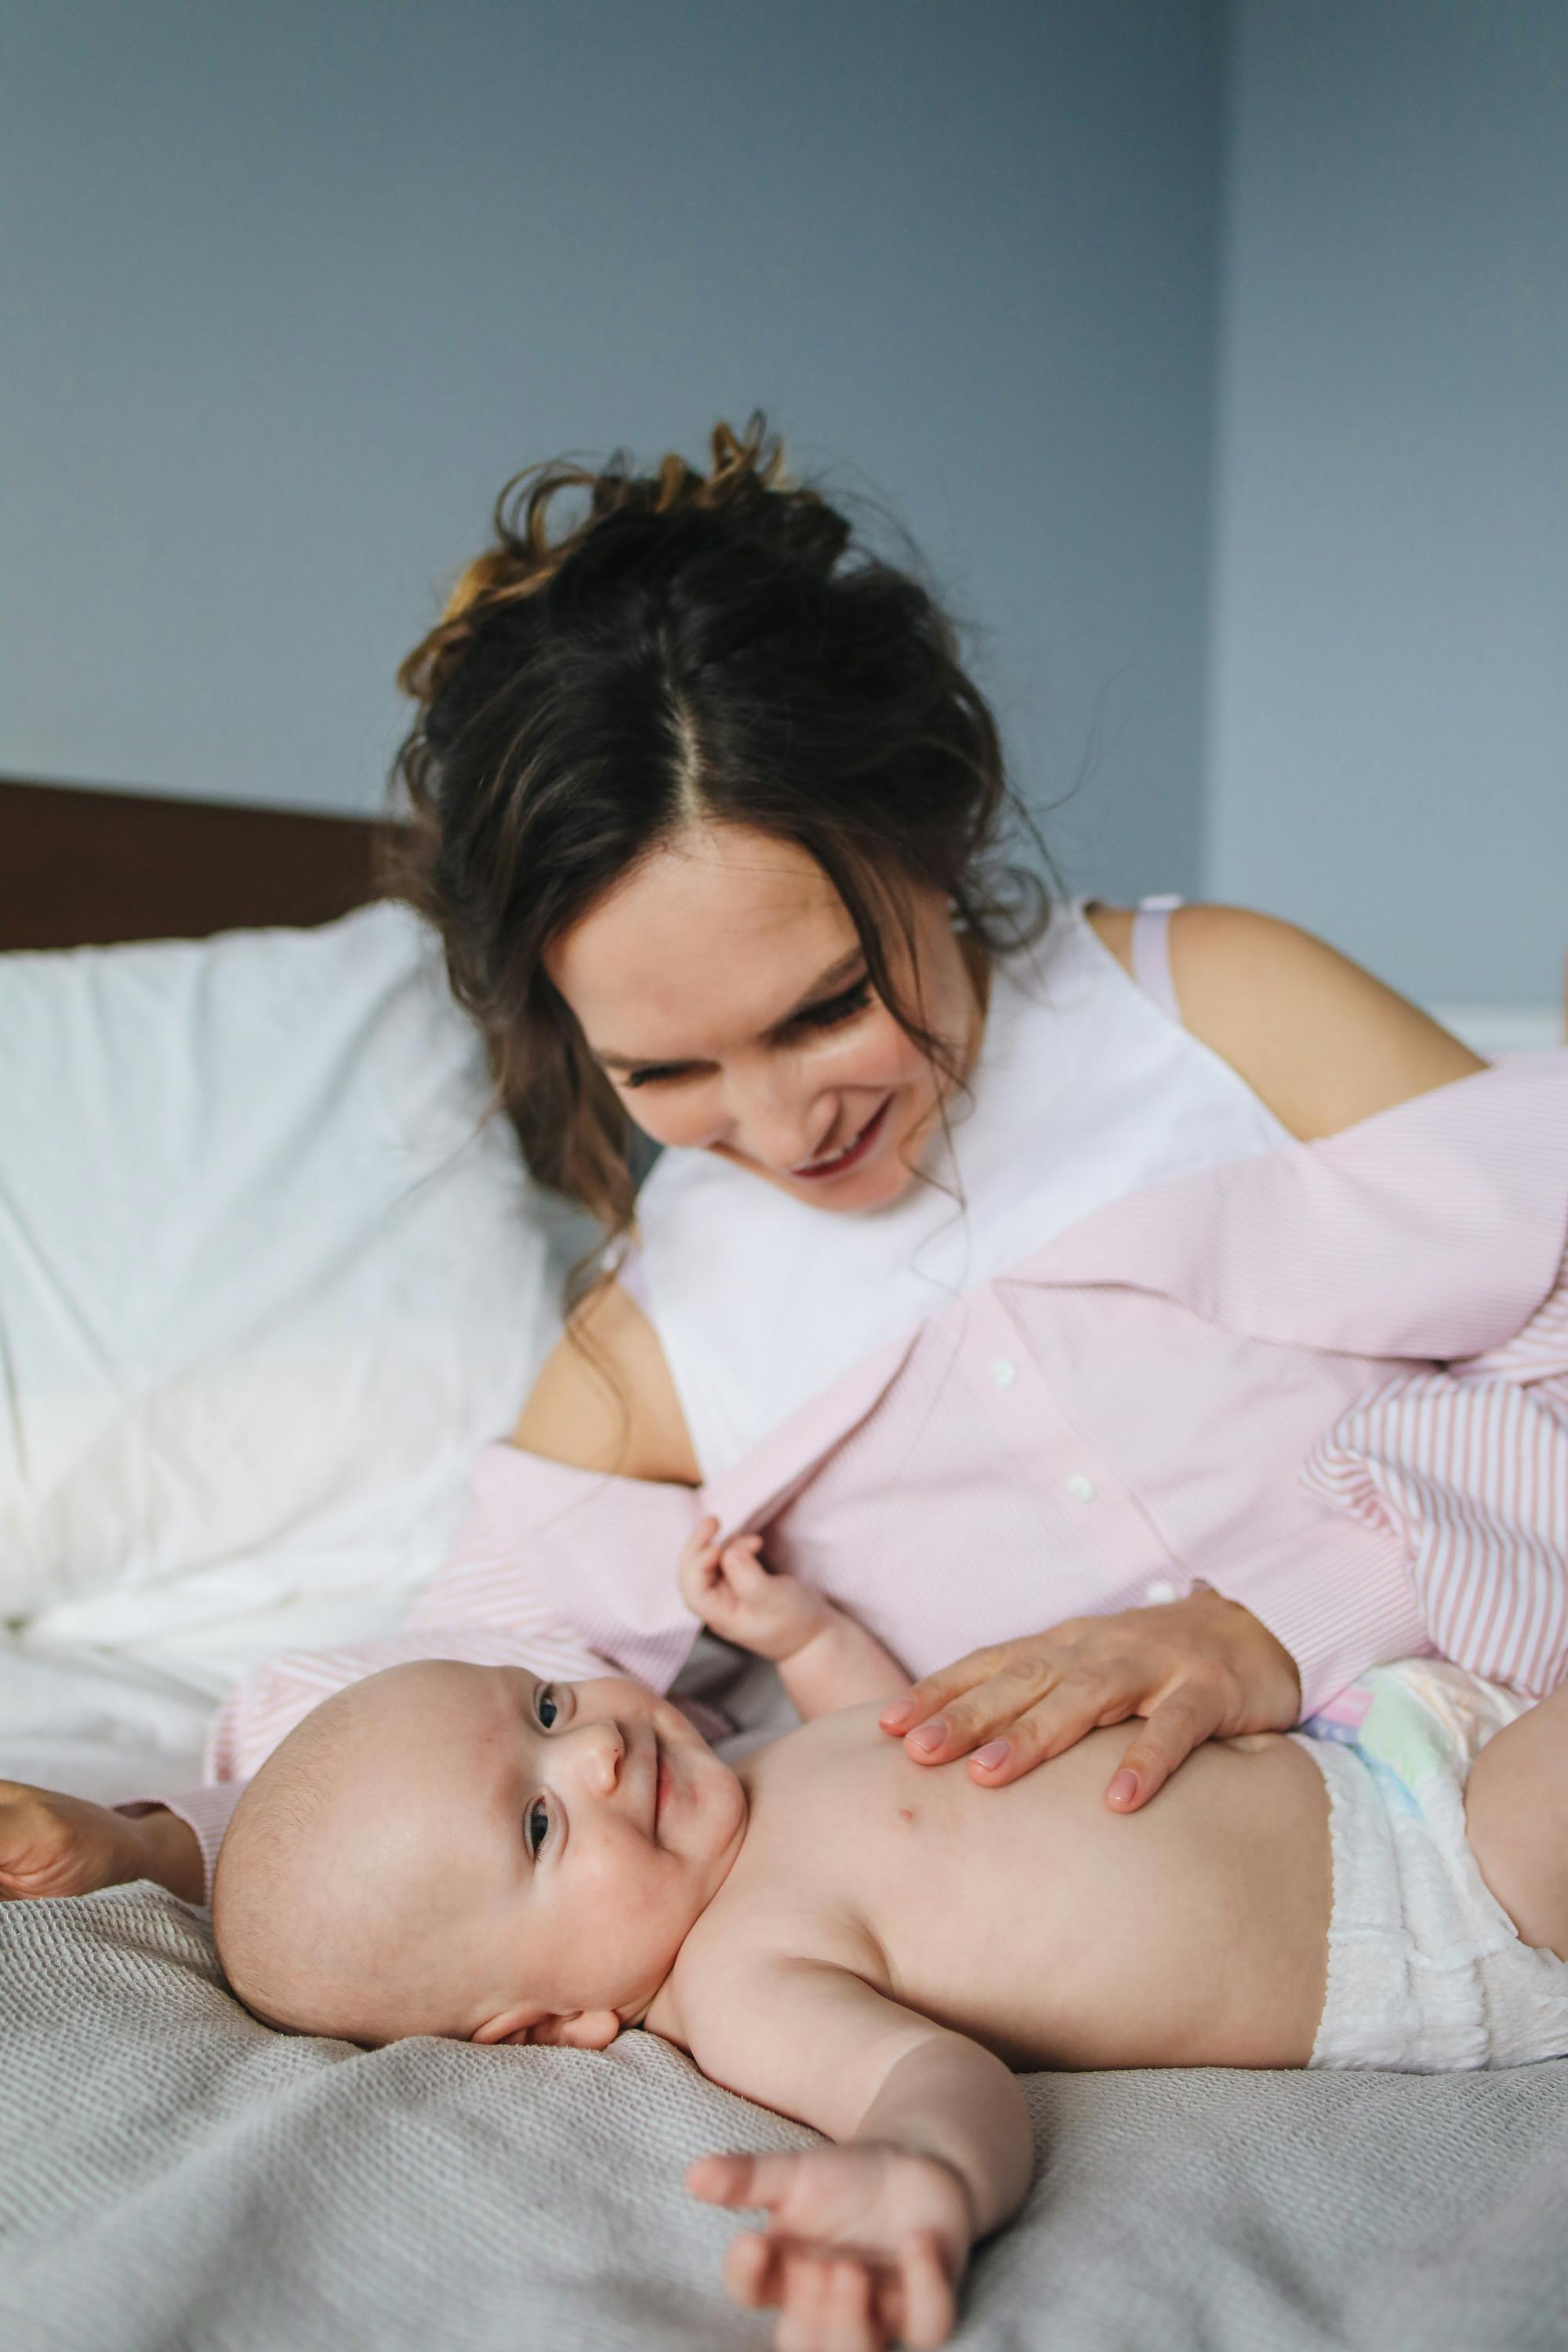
(604, 1751)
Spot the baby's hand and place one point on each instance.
(728, 1587)
(864, 2245)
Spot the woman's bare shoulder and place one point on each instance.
(604, 1399)
(1319, 1038)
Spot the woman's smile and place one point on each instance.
(853, 1152)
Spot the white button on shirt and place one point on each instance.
(1080, 1489)
(1003, 1373)
(1160, 1590)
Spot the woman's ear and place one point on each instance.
(589, 2029)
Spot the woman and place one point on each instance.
(980, 1271)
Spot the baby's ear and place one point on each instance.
(510, 2025)
(590, 2029)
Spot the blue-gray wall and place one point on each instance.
(1389, 681)
(288, 291)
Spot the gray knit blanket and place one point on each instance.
(175, 2177)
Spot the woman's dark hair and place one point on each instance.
(693, 648)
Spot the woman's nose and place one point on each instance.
(778, 1126)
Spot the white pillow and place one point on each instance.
(269, 1278)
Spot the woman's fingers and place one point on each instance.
(934, 1692)
(1191, 1715)
(981, 1713)
(1080, 1702)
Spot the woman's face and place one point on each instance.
(722, 988)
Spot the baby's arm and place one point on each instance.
(825, 1659)
(867, 2239)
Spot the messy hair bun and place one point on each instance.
(745, 488)
(694, 647)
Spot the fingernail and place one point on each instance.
(898, 1714)
(994, 1752)
(1123, 1789)
(929, 1736)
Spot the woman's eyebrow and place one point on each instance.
(820, 987)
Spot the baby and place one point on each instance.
(838, 1934)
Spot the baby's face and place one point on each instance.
(501, 1858)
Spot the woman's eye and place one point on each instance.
(653, 1078)
(545, 1705)
(535, 1826)
(836, 1008)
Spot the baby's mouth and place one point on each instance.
(662, 1783)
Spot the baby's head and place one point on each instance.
(467, 1850)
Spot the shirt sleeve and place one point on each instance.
(1465, 1465)
(205, 1811)
(568, 1572)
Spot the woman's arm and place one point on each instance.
(52, 1845)
(1319, 1039)
(604, 1399)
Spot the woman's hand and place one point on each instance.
(863, 2246)
(51, 1845)
(1202, 1668)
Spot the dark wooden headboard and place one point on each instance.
(81, 868)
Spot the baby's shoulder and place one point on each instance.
(755, 1985)
(773, 1917)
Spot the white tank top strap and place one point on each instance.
(1152, 952)
(631, 1273)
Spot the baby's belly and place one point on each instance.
(1194, 1932)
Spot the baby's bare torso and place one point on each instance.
(1032, 1918)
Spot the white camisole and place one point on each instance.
(1087, 1088)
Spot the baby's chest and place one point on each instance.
(852, 1847)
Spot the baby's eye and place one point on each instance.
(546, 1705)
(535, 1826)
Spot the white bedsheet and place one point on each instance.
(99, 1726)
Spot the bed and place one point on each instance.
(268, 1275)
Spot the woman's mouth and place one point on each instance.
(852, 1154)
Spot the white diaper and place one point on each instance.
(1426, 1970)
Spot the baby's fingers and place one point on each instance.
(742, 1566)
(698, 1562)
(750, 2180)
(753, 2270)
(828, 2303)
(929, 2306)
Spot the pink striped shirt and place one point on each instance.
(1330, 1379)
